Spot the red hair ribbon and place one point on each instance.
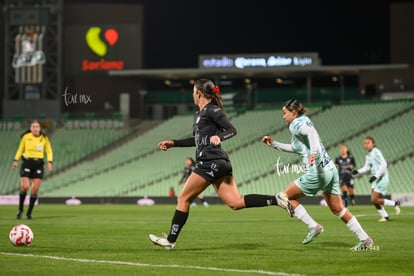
(216, 90)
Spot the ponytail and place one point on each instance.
(217, 100)
(210, 91)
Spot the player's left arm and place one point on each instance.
(383, 166)
(314, 143)
(49, 153)
(221, 120)
(352, 165)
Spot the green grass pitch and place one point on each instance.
(113, 240)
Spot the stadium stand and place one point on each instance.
(121, 155)
(9, 142)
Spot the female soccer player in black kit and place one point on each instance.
(345, 164)
(210, 128)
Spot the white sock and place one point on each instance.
(356, 228)
(388, 202)
(382, 212)
(302, 214)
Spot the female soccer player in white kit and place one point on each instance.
(320, 174)
(376, 164)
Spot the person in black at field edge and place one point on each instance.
(188, 169)
(345, 163)
(211, 126)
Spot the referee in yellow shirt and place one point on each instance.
(32, 148)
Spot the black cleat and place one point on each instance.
(28, 216)
(19, 215)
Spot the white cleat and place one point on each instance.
(386, 219)
(284, 203)
(162, 241)
(367, 245)
(397, 207)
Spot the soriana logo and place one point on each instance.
(100, 42)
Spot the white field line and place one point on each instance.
(189, 267)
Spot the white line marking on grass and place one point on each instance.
(207, 268)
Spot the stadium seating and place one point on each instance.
(10, 179)
(123, 155)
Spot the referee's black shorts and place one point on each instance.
(32, 168)
(214, 170)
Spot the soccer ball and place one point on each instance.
(21, 235)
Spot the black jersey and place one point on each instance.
(208, 122)
(344, 166)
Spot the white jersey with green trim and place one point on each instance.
(375, 162)
(305, 141)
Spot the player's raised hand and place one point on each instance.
(267, 140)
(165, 145)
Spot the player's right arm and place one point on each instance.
(19, 152)
(276, 145)
(364, 169)
(166, 144)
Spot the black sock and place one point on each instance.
(351, 197)
(345, 198)
(22, 197)
(254, 200)
(202, 200)
(33, 199)
(177, 224)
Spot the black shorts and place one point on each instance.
(349, 184)
(32, 168)
(214, 170)
(346, 180)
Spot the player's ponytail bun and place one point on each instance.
(210, 91)
(294, 104)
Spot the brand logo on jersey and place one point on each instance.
(197, 120)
